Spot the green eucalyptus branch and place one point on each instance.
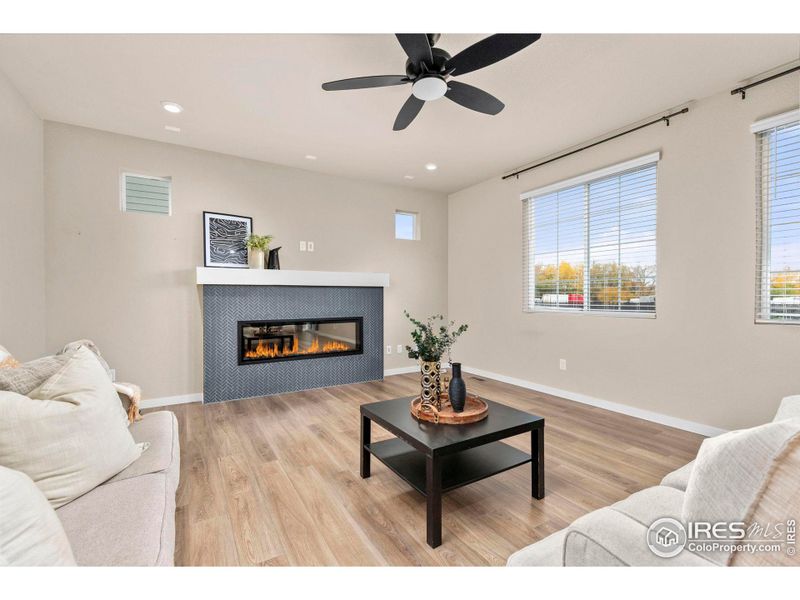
(258, 242)
(432, 339)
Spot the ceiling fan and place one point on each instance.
(429, 69)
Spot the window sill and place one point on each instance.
(776, 322)
(597, 313)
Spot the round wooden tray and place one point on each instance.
(475, 409)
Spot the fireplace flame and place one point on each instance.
(267, 349)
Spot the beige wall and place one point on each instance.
(22, 247)
(127, 280)
(702, 359)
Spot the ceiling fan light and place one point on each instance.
(429, 88)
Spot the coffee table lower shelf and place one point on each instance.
(458, 469)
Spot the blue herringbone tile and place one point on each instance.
(223, 306)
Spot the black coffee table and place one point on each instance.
(435, 459)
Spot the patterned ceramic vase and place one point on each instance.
(429, 379)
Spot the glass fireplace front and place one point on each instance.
(267, 341)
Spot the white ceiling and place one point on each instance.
(259, 96)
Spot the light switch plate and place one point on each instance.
(562, 364)
(310, 246)
(389, 349)
(302, 246)
(399, 348)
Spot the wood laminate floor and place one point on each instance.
(274, 480)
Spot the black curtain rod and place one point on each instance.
(664, 119)
(743, 90)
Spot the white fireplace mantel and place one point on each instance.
(223, 276)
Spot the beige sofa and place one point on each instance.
(130, 519)
(617, 535)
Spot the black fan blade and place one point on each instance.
(490, 50)
(473, 98)
(358, 83)
(416, 47)
(407, 114)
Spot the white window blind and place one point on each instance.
(778, 224)
(146, 194)
(590, 246)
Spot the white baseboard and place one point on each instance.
(170, 400)
(401, 370)
(624, 409)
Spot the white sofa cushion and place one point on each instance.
(679, 478)
(612, 536)
(159, 432)
(30, 532)
(142, 534)
(617, 535)
(124, 523)
(71, 434)
(729, 472)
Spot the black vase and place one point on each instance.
(273, 262)
(458, 389)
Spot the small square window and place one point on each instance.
(406, 225)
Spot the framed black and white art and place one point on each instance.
(224, 236)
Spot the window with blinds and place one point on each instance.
(590, 242)
(778, 223)
(146, 194)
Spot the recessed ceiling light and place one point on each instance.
(311, 157)
(431, 167)
(172, 128)
(172, 107)
(408, 177)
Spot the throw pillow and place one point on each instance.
(72, 346)
(729, 472)
(71, 434)
(28, 376)
(30, 532)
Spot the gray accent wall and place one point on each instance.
(225, 305)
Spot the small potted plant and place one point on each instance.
(257, 246)
(432, 339)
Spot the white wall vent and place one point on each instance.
(146, 194)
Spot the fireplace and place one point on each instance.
(272, 341)
(226, 307)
